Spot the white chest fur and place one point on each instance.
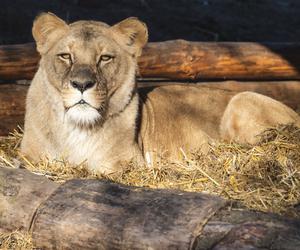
(101, 147)
(80, 145)
(93, 147)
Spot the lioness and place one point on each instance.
(83, 104)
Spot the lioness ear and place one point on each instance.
(134, 32)
(47, 28)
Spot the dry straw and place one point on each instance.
(15, 240)
(265, 176)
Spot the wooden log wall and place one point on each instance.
(182, 60)
(12, 107)
(173, 60)
(94, 214)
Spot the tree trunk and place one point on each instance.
(21, 193)
(182, 60)
(95, 214)
(237, 228)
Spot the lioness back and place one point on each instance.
(181, 117)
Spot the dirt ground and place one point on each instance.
(201, 20)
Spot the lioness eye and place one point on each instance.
(105, 58)
(65, 56)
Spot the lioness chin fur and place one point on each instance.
(83, 103)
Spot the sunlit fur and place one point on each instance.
(107, 125)
(83, 115)
(96, 125)
(88, 113)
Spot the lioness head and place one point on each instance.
(91, 65)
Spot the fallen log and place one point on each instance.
(98, 214)
(21, 193)
(183, 60)
(236, 228)
(12, 97)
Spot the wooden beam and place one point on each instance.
(183, 60)
(12, 107)
(18, 61)
(12, 97)
(95, 214)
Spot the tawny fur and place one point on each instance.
(116, 124)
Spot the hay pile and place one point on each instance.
(15, 240)
(265, 176)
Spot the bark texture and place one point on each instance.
(12, 107)
(183, 60)
(21, 193)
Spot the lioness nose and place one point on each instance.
(82, 86)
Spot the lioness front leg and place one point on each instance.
(248, 114)
(113, 162)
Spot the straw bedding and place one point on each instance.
(265, 176)
(15, 240)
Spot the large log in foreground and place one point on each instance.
(94, 214)
(183, 60)
(12, 97)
